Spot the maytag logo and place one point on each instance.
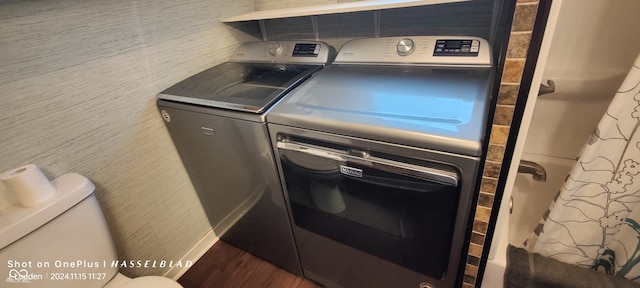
(349, 171)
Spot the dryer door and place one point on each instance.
(400, 212)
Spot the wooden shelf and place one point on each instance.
(357, 6)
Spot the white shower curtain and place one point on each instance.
(595, 219)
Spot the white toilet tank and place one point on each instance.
(63, 242)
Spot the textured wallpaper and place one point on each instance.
(78, 81)
(468, 18)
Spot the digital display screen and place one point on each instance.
(453, 44)
(306, 50)
(450, 47)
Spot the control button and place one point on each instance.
(475, 46)
(405, 47)
(274, 48)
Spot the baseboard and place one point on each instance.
(193, 254)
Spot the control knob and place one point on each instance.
(405, 47)
(274, 48)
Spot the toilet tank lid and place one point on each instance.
(17, 221)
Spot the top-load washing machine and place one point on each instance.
(379, 154)
(216, 120)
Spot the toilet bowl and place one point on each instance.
(64, 242)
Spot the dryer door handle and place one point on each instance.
(421, 172)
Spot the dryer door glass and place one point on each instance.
(401, 212)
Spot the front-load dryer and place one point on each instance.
(379, 155)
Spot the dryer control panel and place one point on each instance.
(456, 47)
(417, 50)
(284, 52)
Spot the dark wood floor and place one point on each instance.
(224, 266)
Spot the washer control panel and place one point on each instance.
(283, 52)
(418, 50)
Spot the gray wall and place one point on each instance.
(78, 81)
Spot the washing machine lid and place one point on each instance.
(439, 108)
(248, 87)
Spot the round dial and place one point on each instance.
(274, 48)
(405, 47)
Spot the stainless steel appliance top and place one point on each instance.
(258, 74)
(422, 104)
